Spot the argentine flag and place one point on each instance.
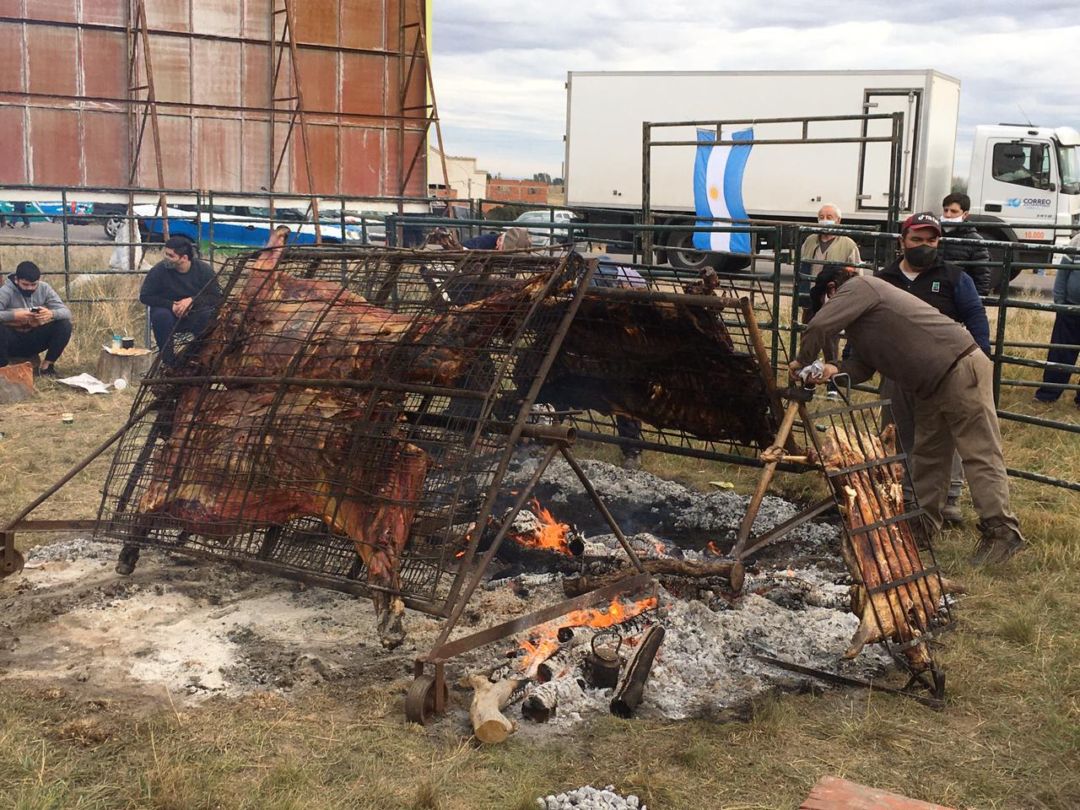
(718, 177)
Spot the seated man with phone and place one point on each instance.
(33, 319)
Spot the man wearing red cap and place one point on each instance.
(921, 271)
(939, 362)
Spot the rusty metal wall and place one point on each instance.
(66, 117)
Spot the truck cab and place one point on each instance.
(1024, 180)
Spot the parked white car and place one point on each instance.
(543, 237)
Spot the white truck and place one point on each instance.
(1024, 179)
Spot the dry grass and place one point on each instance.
(1009, 738)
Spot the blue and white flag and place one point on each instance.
(718, 178)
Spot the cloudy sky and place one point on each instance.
(500, 67)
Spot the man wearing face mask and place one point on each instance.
(936, 359)
(921, 271)
(818, 251)
(970, 255)
(33, 319)
(170, 290)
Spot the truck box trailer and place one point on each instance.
(604, 149)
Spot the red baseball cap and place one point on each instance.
(923, 220)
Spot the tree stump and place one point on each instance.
(129, 364)
(16, 383)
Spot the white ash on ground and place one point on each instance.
(590, 798)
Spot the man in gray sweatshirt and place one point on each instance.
(33, 319)
(936, 359)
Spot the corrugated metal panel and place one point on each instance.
(54, 147)
(105, 12)
(52, 60)
(217, 153)
(105, 65)
(169, 15)
(353, 154)
(172, 68)
(257, 18)
(255, 155)
(11, 61)
(361, 161)
(216, 73)
(319, 80)
(12, 130)
(105, 144)
(255, 85)
(362, 85)
(216, 17)
(323, 143)
(362, 24)
(59, 10)
(317, 21)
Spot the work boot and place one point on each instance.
(125, 563)
(997, 544)
(632, 461)
(951, 513)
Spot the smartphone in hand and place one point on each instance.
(35, 309)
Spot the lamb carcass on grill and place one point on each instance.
(671, 365)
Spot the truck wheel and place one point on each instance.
(682, 255)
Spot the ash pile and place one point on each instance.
(689, 648)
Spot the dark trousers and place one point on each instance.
(1067, 331)
(52, 338)
(20, 213)
(628, 428)
(165, 324)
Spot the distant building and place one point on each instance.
(518, 192)
(466, 181)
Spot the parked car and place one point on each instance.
(543, 237)
(238, 225)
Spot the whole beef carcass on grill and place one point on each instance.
(670, 365)
(242, 455)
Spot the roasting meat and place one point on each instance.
(888, 554)
(248, 455)
(673, 366)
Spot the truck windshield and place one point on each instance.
(1069, 160)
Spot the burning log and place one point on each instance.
(489, 724)
(732, 571)
(628, 695)
(897, 598)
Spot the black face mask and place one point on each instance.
(921, 257)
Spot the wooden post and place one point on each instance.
(129, 364)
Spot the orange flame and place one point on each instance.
(552, 534)
(712, 549)
(543, 640)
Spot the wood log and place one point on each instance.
(629, 693)
(733, 571)
(489, 724)
(542, 703)
(128, 364)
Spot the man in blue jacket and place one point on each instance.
(1066, 328)
(921, 271)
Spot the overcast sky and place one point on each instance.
(500, 67)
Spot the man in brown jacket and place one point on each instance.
(936, 359)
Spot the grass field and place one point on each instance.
(1009, 737)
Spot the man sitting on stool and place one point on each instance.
(169, 290)
(33, 319)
